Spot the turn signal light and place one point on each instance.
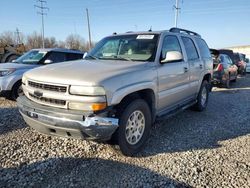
(98, 106)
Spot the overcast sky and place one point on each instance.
(222, 23)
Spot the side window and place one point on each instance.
(222, 58)
(170, 43)
(56, 57)
(72, 56)
(204, 50)
(190, 48)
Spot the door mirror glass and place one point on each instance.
(172, 56)
(48, 61)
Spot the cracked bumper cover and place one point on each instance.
(66, 123)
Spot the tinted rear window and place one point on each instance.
(204, 50)
(190, 48)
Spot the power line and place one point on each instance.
(18, 40)
(42, 11)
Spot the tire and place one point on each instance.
(128, 144)
(235, 79)
(227, 83)
(17, 90)
(201, 104)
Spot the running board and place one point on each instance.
(168, 114)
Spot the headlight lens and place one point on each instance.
(5, 72)
(24, 79)
(87, 90)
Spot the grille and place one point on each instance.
(48, 100)
(61, 89)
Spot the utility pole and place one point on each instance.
(42, 9)
(177, 9)
(90, 43)
(18, 40)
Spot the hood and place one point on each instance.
(16, 66)
(83, 72)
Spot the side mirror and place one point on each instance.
(48, 61)
(172, 56)
(85, 54)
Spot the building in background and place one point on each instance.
(241, 49)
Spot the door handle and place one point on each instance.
(185, 69)
(201, 66)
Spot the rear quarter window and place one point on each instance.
(190, 48)
(203, 47)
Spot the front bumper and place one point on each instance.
(66, 123)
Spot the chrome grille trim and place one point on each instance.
(48, 87)
(48, 101)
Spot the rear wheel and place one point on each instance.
(134, 127)
(202, 98)
(227, 83)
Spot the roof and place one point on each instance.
(172, 30)
(59, 50)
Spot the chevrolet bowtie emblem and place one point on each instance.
(38, 94)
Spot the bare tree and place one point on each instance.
(8, 37)
(34, 41)
(74, 41)
(50, 42)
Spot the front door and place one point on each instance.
(173, 77)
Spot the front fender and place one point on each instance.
(119, 94)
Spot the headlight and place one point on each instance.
(24, 79)
(87, 90)
(5, 72)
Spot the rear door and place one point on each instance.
(173, 78)
(195, 64)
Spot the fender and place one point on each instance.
(119, 94)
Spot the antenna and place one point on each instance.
(150, 29)
(42, 11)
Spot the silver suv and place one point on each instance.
(11, 73)
(125, 83)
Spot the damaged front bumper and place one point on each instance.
(66, 123)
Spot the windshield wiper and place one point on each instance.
(123, 58)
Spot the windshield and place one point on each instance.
(31, 57)
(126, 47)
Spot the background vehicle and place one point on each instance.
(248, 65)
(11, 73)
(224, 69)
(240, 62)
(122, 86)
(10, 52)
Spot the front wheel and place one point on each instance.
(17, 90)
(134, 127)
(202, 98)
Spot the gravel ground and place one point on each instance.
(191, 149)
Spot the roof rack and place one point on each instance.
(179, 30)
